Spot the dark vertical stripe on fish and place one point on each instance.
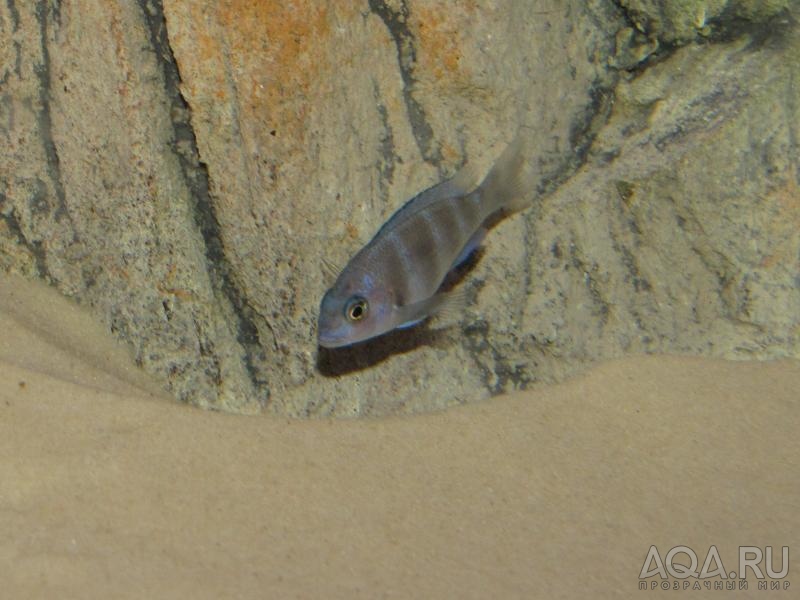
(465, 219)
(457, 231)
(420, 237)
(443, 239)
(403, 278)
(395, 270)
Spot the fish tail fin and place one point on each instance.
(511, 183)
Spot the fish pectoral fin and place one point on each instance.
(446, 304)
(453, 305)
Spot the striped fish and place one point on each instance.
(393, 282)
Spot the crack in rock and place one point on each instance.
(197, 179)
(396, 21)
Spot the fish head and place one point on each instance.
(353, 310)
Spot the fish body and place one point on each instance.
(393, 281)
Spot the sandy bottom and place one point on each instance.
(110, 491)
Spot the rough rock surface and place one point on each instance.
(182, 167)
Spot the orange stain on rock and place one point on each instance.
(277, 51)
(352, 230)
(208, 47)
(784, 224)
(439, 40)
(450, 154)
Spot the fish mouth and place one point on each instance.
(331, 341)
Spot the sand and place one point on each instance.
(108, 489)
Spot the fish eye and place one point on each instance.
(356, 309)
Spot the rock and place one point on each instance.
(183, 168)
(97, 198)
(679, 21)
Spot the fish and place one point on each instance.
(394, 281)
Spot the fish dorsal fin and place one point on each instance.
(461, 184)
(466, 178)
(330, 270)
